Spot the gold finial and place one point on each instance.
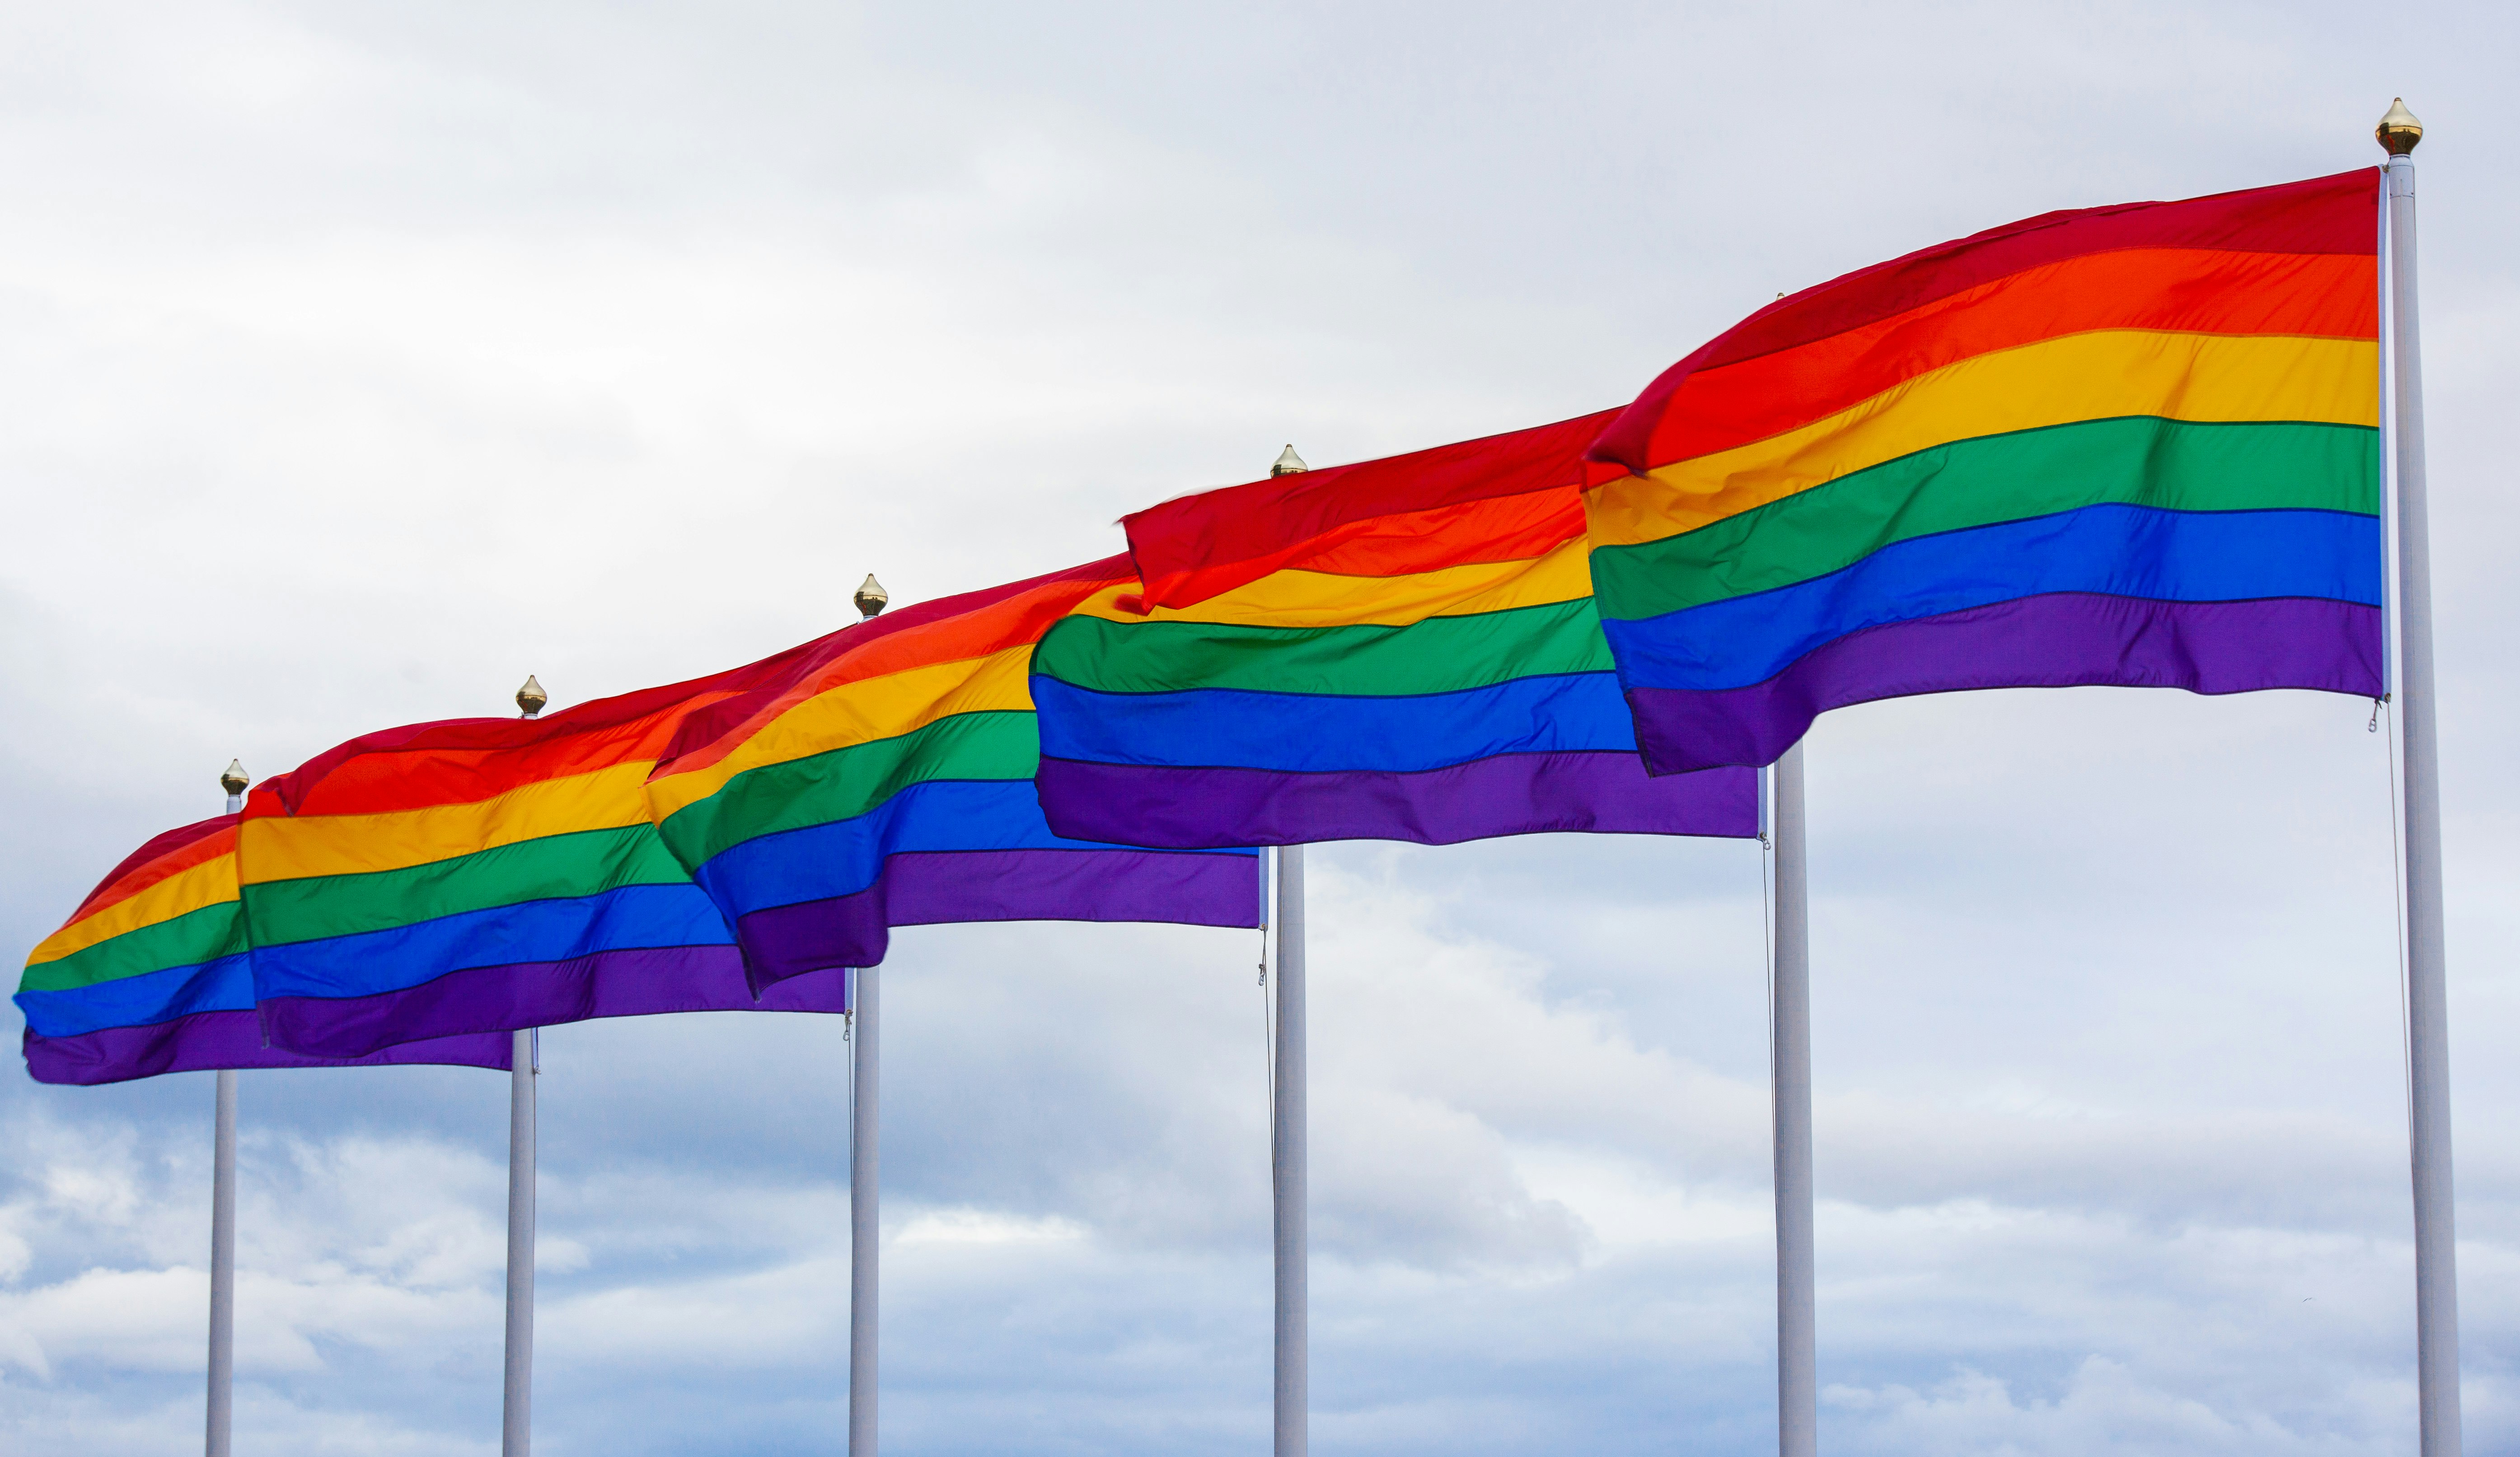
(2398, 131)
(233, 779)
(1287, 464)
(531, 696)
(871, 597)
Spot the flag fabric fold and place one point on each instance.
(881, 776)
(2132, 445)
(1401, 650)
(485, 875)
(151, 974)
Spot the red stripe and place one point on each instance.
(1509, 528)
(463, 760)
(1184, 547)
(2336, 214)
(170, 854)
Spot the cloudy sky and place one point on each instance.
(363, 358)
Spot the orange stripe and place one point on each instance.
(176, 861)
(1014, 621)
(393, 781)
(2177, 291)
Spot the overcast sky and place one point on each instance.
(363, 358)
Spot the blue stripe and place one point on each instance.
(2114, 551)
(145, 1001)
(405, 957)
(1325, 733)
(844, 856)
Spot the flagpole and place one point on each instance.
(866, 1087)
(2427, 994)
(1290, 1119)
(516, 1429)
(1790, 1079)
(865, 1232)
(1291, 1175)
(220, 1406)
(515, 1415)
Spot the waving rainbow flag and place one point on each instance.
(151, 975)
(485, 875)
(2132, 445)
(1401, 650)
(881, 776)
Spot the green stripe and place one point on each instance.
(2140, 460)
(844, 783)
(587, 862)
(1439, 656)
(189, 940)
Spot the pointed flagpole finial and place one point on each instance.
(870, 599)
(2398, 131)
(233, 779)
(1287, 464)
(531, 696)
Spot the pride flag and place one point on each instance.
(485, 875)
(2132, 445)
(151, 975)
(1401, 650)
(881, 776)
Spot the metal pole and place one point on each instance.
(1290, 1175)
(2427, 1001)
(865, 1233)
(221, 1406)
(222, 1265)
(516, 1403)
(1789, 1074)
(516, 1422)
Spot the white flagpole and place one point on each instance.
(865, 1232)
(221, 1405)
(1789, 1078)
(2427, 996)
(866, 1087)
(516, 1427)
(1289, 1177)
(515, 1414)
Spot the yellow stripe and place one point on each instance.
(292, 848)
(862, 712)
(2098, 375)
(1319, 600)
(205, 884)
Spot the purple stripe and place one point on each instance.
(790, 941)
(223, 1039)
(922, 889)
(1513, 794)
(2063, 641)
(500, 999)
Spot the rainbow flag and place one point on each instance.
(2132, 445)
(881, 776)
(482, 875)
(151, 975)
(1401, 650)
